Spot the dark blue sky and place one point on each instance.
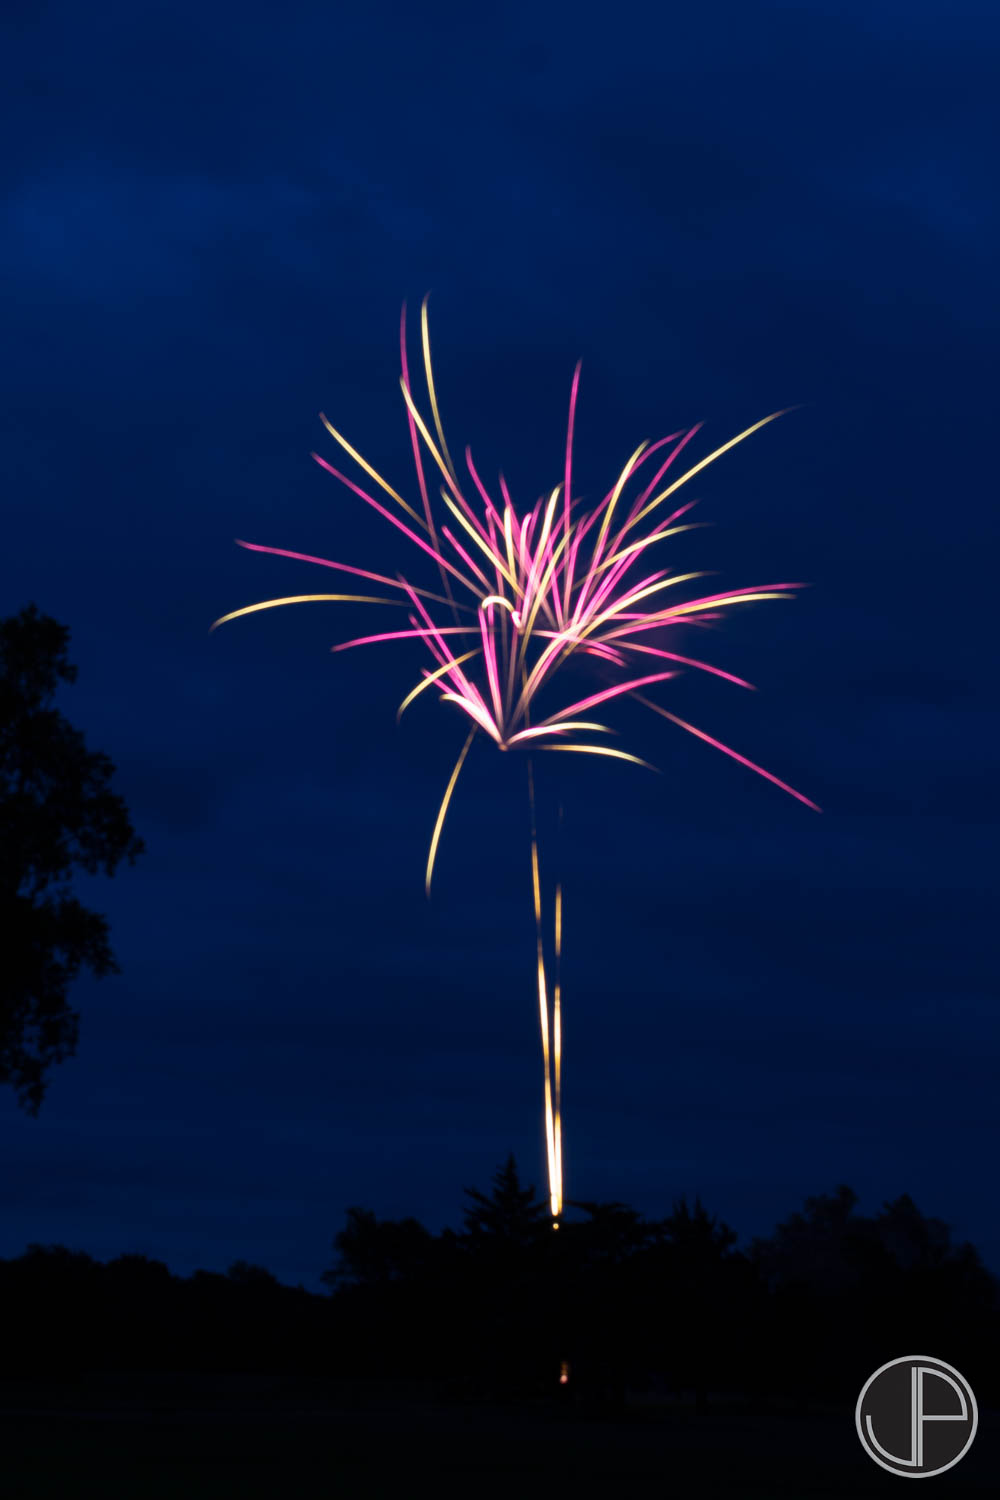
(210, 221)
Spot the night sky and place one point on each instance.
(211, 218)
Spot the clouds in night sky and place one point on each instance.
(206, 233)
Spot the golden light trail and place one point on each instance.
(429, 681)
(557, 1044)
(250, 609)
(600, 750)
(615, 496)
(704, 462)
(425, 340)
(553, 1127)
(373, 473)
(443, 809)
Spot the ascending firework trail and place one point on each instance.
(525, 592)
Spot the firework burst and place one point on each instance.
(521, 595)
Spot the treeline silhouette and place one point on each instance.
(614, 1301)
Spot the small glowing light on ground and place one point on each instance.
(564, 1373)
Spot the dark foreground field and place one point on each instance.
(239, 1438)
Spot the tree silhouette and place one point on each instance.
(613, 1233)
(57, 813)
(257, 1278)
(625, 1307)
(704, 1289)
(374, 1252)
(698, 1237)
(817, 1250)
(510, 1213)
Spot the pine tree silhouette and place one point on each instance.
(510, 1213)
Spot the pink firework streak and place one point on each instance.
(522, 595)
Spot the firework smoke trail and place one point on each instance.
(525, 593)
